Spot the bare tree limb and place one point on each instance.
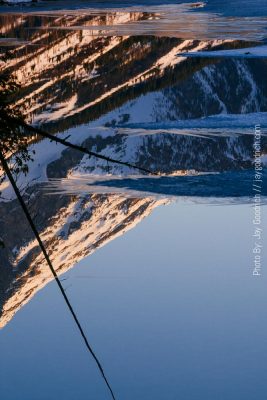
(77, 147)
(47, 258)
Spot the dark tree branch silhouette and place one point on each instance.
(34, 130)
(13, 140)
(47, 258)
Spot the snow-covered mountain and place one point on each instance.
(72, 74)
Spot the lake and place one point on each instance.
(132, 250)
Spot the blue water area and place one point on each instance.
(221, 121)
(225, 184)
(256, 52)
(238, 8)
(171, 308)
(81, 4)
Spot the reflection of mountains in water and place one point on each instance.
(71, 228)
(79, 219)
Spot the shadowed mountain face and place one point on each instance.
(130, 98)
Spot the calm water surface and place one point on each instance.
(171, 308)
